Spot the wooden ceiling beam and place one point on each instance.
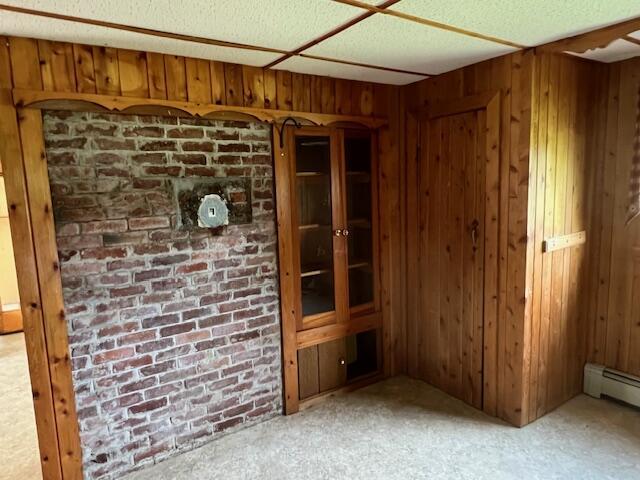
(599, 38)
(631, 39)
(365, 65)
(145, 31)
(332, 33)
(430, 23)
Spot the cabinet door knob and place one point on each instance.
(345, 232)
(337, 233)
(341, 361)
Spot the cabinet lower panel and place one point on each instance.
(334, 364)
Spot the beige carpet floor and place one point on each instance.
(405, 429)
(19, 457)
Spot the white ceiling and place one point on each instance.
(525, 22)
(381, 40)
(616, 51)
(397, 43)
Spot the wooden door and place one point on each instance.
(318, 217)
(454, 262)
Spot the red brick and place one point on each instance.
(148, 406)
(118, 354)
(114, 144)
(127, 291)
(146, 131)
(158, 145)
(154, 346)
(185, 133)
(103, 253)
(138, 385)
(190, 158)
(173, 171)
(154, 158)
(170, 284)
(148, 223)
(193, 267)
(176, 329)
(170, 259)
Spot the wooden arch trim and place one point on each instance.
(37, 99)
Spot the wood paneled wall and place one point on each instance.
(561, 134)
(614, 287)
(560, 202)
(40, 65)
(65, 67)
(504, 371)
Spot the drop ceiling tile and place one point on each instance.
(279, 24)
(614, 52)
(351, 72)
(396, 43)
(526, 22)
(635, 35)
(51, 29)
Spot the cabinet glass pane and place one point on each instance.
(313, 177)
(358, 170)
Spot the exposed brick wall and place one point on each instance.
(174, 334)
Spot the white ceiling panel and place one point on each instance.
(279, 24)
(526, 22)
(614, 52)
(392, 42)
(51, 29)
(351, 72)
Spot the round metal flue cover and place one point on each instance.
(213, 212)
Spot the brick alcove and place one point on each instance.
(174, 333)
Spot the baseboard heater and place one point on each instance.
(599, 381)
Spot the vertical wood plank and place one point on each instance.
(327, 95)
(35, 162)
(85, 72)
(362, 98)
(270, 89)
(218, 88)
(176, 77)
(343, 97)
(25, 63)
(156, 72)
(233, 84)
(107, 70)
(491, 279)
(134, 81)
(57, 66)
(21, 235)
(286, 252)
(198, 80)
(253, 86)
(301, 92)
(284, 90)
(316, 93)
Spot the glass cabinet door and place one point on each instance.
(315, 205)
(360, 221)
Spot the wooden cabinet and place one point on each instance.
(328, 235)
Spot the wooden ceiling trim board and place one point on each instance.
(599, 38)
(631, 39)
(430, 23)
(332, 33)
(366, 65)
(145, 31)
